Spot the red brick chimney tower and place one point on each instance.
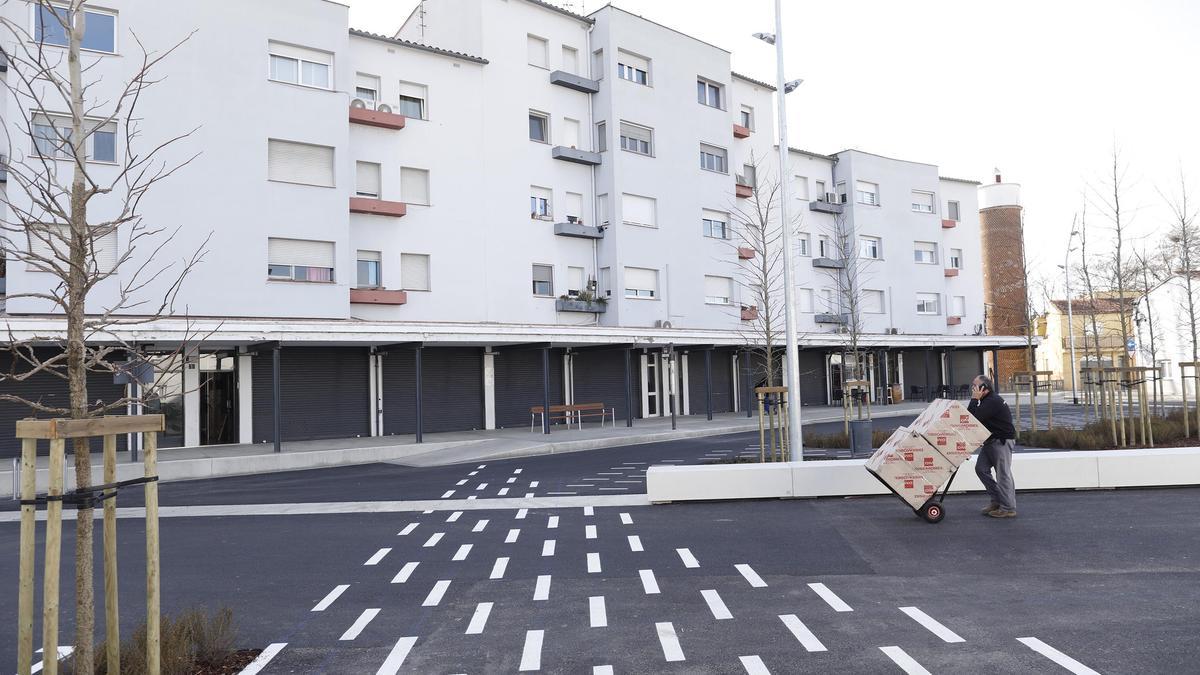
(1002, 234)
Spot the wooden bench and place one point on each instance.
(558, 413)
(583, 410)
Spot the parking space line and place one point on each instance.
(359, 624)
(597, 479)
(593, 562)
(636, 482)
(802, 633)
(263, 659)
(562, 493)
(613, 488)
(448, 494)
(436, 593)
(589, 532)
(751, 576)
(521, 513)
(754, 665)
(379, 555)
(583, 485)
(688, 559)
(330, 597)
(830, 598)
(552, 523)
(649, 583)
(512, 536)
(669, 641)
(931, 624)
(906, 662)
(635, 543)
(405, 572)
(716, 605)
(589, 510)
(548, 548)
(498, 568)
(597, 614)
(479, 618)
(427, 511)
(407, 529)
(433, 540)
(541, 590)
(1056, 656)
(531, 655)
(462, 552)
(395, 658)
(609, 473)
(479, 526)
(502, 492)
(626, 519)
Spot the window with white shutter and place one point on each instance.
(800, 188)
(300, 259)
(574, 206)
(574, 281)
(958, 306)
(570, 60)
(414, 272)
(414, 186)
(638, 210)
(413, 100)
(543, 280)
(52, 243)
(300, 65)
(952, 210)
(366, 87)
(633, 67)
(718, 290)
(541, 203)
(804, 298)
(804, 243)
(866, 193)
(715, 224)
(927, 303)
(925, 252)
(636, 138)
(367, 181)
(922, 202)
(369, 269)
(570, 133)
(641, 283)
(290, 162)
(713, 158)
(872, 302)
(538, 50)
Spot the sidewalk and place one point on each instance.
(438, 449)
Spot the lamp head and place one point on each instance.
(768, 38)
(789, 87)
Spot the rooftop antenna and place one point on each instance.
(421, 19)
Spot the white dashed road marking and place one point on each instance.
(448, 494)
(906, 662)
(498, 568)
(754, 665)
(626, 519)
(517, 470)
(830, 598)
(547, 548)
(461, 482)
(649, 583)
(454, 517)
(716, 605)
(933, 625)
(462, 552)
(802, 633)
(635, 543)
(688, 559)
(395, 658)
(479, 526)
(521, 513)
(379, 555)
(359, 624)
(502, 492)
(541, 590)
(552, 522)
(512, 536)
(593, 560)
(533, 483)
(472, 498)
(436, 593)
(528, 495)
(670, 642)
(1056, 656)
(751, 576)
(479, 619)
(481, 486)
(405, 572)
(531, 655)
(511, 480)
(434, 539)
(408, 529)
(596, 612)
(263, 659)
(589, 510)
(328, 599)
(589, 532)
(602, 670)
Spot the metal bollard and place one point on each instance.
(16, 475)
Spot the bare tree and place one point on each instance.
(1182, 252)
(1154, 272)
(1107, 197)
(82, 225)
(1086, 272)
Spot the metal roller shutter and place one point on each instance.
(325, 393)
(453, 383)
(600, 378)
(722, 382)
(965, 367)
(519, 384)
(812, 378)
(914, 371)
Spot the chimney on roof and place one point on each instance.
(997, 171)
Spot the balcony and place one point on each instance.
(377, 296)
(953, 320)
(825, 207)
(947, 223)
(577, 82)
(838, 319)
(742, 190)
(828, 264)
(578, 230)
(577, 305)
(377, 207)
(745, 253)
(951, 271)
(740, 131)
(383, 119)
(576, 156)
(749, 313)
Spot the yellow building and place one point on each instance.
(1054, 353)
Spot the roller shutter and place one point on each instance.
(965, 367)
(600, 378)
(519, 384)
(453, 384)
(722, 382)
(325, 393)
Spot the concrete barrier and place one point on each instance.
(1032, 471)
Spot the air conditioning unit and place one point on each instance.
(384, 108)
(978, 329)
(832, 198)
(893, 331)
(358, 103)
(660, 323)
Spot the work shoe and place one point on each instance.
(1003, 513)
(987, 511)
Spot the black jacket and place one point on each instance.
(993, 413)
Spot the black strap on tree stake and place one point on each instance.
(91, 496)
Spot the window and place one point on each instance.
(925, 252)
(866, 193)
(712, 158)
(52, 138)
(804, 243)
(641, 283)
(637, 210)
(569, 133)
(414, 186)
(366, 87)
(574, 205)
(570, 60)
(827, 301)
(606, 281)
(302, 163)
(539, 127)
(800, 187)
(749, 175)
(804, 298)
(368, 269)
(718, 290)
(716, 224)
(869, 247)
(708, 93)
(575, 282)
(872, 302)
(958, 306)
(540, 203)
(51, 242)
(633, 68)
(956, 258)
(952, 210)
(300, 65)
(414, 272)
(100, 35)
(927, 303)
(300, 260)
(820, 190)
(598, 64)
(543, 280)
(367, 180)
(412, 100)
(538, 49)
(637, 139)
(825, 247)
(746, 117)
(922, 202)
(602, 137)
(602, 209)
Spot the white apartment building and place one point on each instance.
(506, 201)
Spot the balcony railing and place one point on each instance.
(828, 264)
(839, 319)
(377, 207)
(577, 305)
(382, 117)
(825, 207)
(740, 131)
(574, 155)
(377, 296)
(577, 82)
(947, 223)
(1089, 342)
(578, 230)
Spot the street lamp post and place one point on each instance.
(793, 357)
(1070, 315)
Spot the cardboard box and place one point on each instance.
(948, 426)
(925, 460)
(891, 467)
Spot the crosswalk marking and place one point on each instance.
(626, 519)
(462, 552)
(548, 548)
(379, 555)
(436, 593)
(589, 532)
(716, 605)
(531, 654)
(751, 576)
(906, 662)
(932, 625)
(602, 670)
(541, 590)
(649, 583)
(405, 572)
(1056, 656)
(669, 641)
(434, 539)
(479, 526)
(830, 598)
(552, 522)
(593, 563)
(395, 658)
(330, 597)
(754, 665)
(262, 659)
(498, 568)
(635, 543)
(407, 529)
(512, 536)
(688, 559)
(521, 513)
(447, 494)
(597, 614)
(802, 633)
(502, 492)
(359, 624)
(589, 510)
(479, 618)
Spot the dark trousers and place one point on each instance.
(997, 454)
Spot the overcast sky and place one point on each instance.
(1039, 89)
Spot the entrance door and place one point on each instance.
(218, 400)
(652, 386)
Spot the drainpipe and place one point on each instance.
(591, 131)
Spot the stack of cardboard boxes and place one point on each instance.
(916, 461)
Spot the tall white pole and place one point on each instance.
(793, 355)
(1071, 324)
